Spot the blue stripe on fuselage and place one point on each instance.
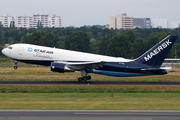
(118, 74)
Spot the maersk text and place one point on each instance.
(157, 50)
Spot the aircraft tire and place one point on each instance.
(15, 67)
(88, 77)
(79, 79)
(85, 78)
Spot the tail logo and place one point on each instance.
(158, 50)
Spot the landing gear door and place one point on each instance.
(21, 51)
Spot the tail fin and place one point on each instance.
(156, 55)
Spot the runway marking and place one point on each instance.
(97, 113)
(159, 114)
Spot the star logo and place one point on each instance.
(30, 49)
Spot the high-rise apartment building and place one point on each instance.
(25, 21)
(47, 20)
(121, 21)
(22, 21)
(6, 20)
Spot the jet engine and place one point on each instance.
(59, 67)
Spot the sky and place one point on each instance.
(92, 12)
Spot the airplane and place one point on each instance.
(61, 60)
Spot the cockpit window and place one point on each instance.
(9, 47)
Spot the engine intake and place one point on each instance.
(59, 67)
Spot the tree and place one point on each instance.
(10, 40)
(99, 36)
(43, 38)
(103, 44)
(2, 40)
(119, 46)
(39, 25)
(131, 35)
(139, 47)
(93, 48)
(78, 41)
(155, 37)
(1, 25)
(12, 24)
(1, 48)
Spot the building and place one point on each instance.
(121, 21)
(159, 23)
(25, 21)
(47, 20)
(125, 22)
(6, 20)
(142, 23)
(112, 22)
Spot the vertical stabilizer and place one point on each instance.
(156, 55)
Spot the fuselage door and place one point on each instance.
(21, 51)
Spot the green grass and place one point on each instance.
(91, 101)
(40, 73)
(5, 60)
(87, 89)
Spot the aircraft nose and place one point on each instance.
(3, 51)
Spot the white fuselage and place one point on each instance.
(35, 52)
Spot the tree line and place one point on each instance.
(112, 42)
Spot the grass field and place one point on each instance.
(40, 73)
(91, 101)
(88, 89)
(92, 97)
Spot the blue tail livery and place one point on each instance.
(156, 55)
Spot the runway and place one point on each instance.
(87, 82)
(88, 115)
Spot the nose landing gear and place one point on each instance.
(15, 64)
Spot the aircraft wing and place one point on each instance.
(83, 65)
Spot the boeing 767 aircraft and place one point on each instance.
(61, 60)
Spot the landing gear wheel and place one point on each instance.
(79, 79)
(88, 77)
(15, 64)
(85, 78)
(15, 67)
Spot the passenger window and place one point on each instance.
(9, 47)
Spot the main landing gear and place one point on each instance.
(84, 76)
(15, 64)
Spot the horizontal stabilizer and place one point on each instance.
(154, 71)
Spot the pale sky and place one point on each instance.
(92, 12)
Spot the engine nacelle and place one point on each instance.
(59, 67)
